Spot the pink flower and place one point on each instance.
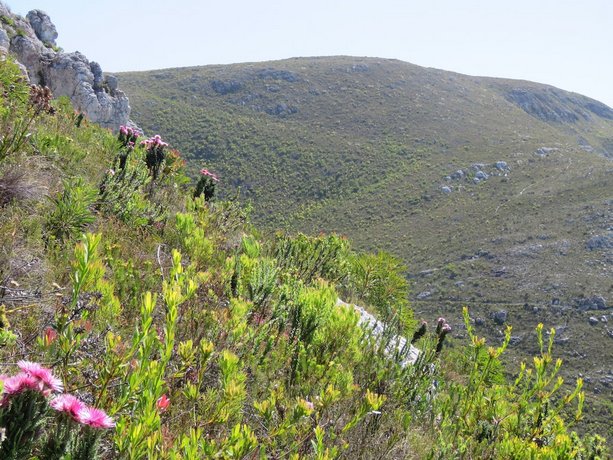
(95, 418)
(163, 402)
(206, 172)
(20, 382)
(46, 378)
(123, 130)
(69, 404)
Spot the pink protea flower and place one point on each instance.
(163, 402)
(46, 378)
(206, 172)
(68, 404)
(95, 418)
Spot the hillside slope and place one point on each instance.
(140, 317)
(497, 193)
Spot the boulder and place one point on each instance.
(43, 27)
(500, 317)
(544, 151)
(501, 165)
(459, 174)
(600, 242)
(593, 321)
(445, 189)
(111, 82)
(595, 302)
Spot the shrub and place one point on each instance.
(12, 186)
(379, 281)
(21, 105)
(72, 211)
(206, 185)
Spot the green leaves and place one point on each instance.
(71, 212)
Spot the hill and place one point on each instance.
(496, 193)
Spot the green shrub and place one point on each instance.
(71, 212)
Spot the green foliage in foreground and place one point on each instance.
(203, 340)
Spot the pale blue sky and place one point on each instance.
(566, 43)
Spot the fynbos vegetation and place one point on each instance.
(168, 327)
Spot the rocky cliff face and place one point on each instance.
(32, 41)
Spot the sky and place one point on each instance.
(565, 43)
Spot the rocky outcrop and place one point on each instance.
(553, 105)
(43, 27)
(32, 42)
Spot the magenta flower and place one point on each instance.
(68, 404)
(49, 383)
(95, 418)
(20, 382)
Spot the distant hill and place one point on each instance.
(497, 193)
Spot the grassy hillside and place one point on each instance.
(371, 148)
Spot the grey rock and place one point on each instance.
(71, 75)
(603, 319)
(500, 317)
(359, 68)
(479, 321)
(226, 87)
(595, 302)
(501, 165)
(545, 151)
(459, 174)
(593, 320)
(97, 73)
(275, 74)
(111, 82)
(66, 74)
(481, 175)
(478, 166)
(43, 27)
(396, 345)
(424, 295)
(476, 180)
(445, 189)
(515, 339)
(4, 39)
(600, 242)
